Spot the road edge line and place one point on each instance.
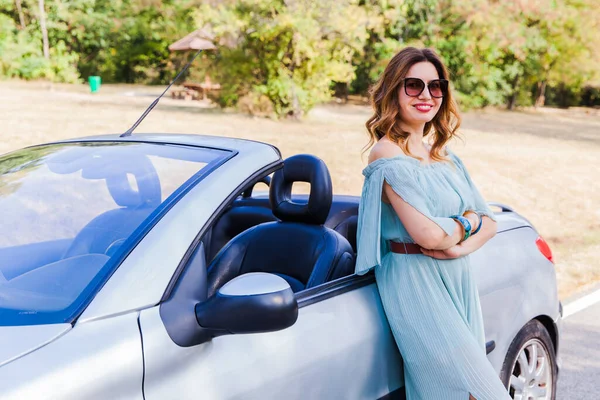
(581, 304)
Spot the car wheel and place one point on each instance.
(529, 369)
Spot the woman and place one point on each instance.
(420, 217)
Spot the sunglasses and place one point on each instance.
(413, 87)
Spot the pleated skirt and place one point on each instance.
(434, 312)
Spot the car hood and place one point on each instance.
(18, 341)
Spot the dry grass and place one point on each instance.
(544, 164)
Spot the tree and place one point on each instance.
(385, 25)
(44, 29)
(21, 15)
(283, 55)
(536, 44)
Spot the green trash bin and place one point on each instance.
(94, 82)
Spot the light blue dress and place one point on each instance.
(432, 305)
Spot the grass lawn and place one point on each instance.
(544, 163)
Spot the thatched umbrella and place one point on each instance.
(197, 40)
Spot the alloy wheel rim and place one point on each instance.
(531, 377)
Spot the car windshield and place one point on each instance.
(70, 213)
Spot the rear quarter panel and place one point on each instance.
(516, 284)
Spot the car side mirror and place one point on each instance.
(250, 303)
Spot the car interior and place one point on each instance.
(306, 239)
(57, 271)
(105, 233)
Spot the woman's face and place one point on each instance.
(421, 109)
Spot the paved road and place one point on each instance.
(580, 349)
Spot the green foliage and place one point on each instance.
(563, 95)
(384, 24)
(534, 44)
(120, 40)
(281, 57)
(590, 96)
(135, 48)
(496, 51)
(289, 52)
(22, 55)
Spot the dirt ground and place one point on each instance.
(545, 163)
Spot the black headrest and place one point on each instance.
(301, 168)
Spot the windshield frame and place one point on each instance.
(82, 301)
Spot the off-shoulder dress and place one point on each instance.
(432, 305)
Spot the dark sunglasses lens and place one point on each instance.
(437, 88)
(414, 87)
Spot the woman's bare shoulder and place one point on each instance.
(384, 149)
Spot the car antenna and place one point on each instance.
(155, 102)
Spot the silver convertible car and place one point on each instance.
(149, 267)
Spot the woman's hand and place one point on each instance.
(488, 230)
(473, 218)
(455, 251)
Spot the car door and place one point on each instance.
(340, 347)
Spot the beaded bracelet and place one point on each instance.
(465, 223)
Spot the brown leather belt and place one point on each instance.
(405, 248)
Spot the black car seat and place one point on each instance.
(233, 222)
(347, 228)
(242, 215)
(298, 247)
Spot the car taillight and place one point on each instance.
(544, 248)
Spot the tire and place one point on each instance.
(540, 384)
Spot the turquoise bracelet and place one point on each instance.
(465, 223)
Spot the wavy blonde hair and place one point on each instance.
(384, 98)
